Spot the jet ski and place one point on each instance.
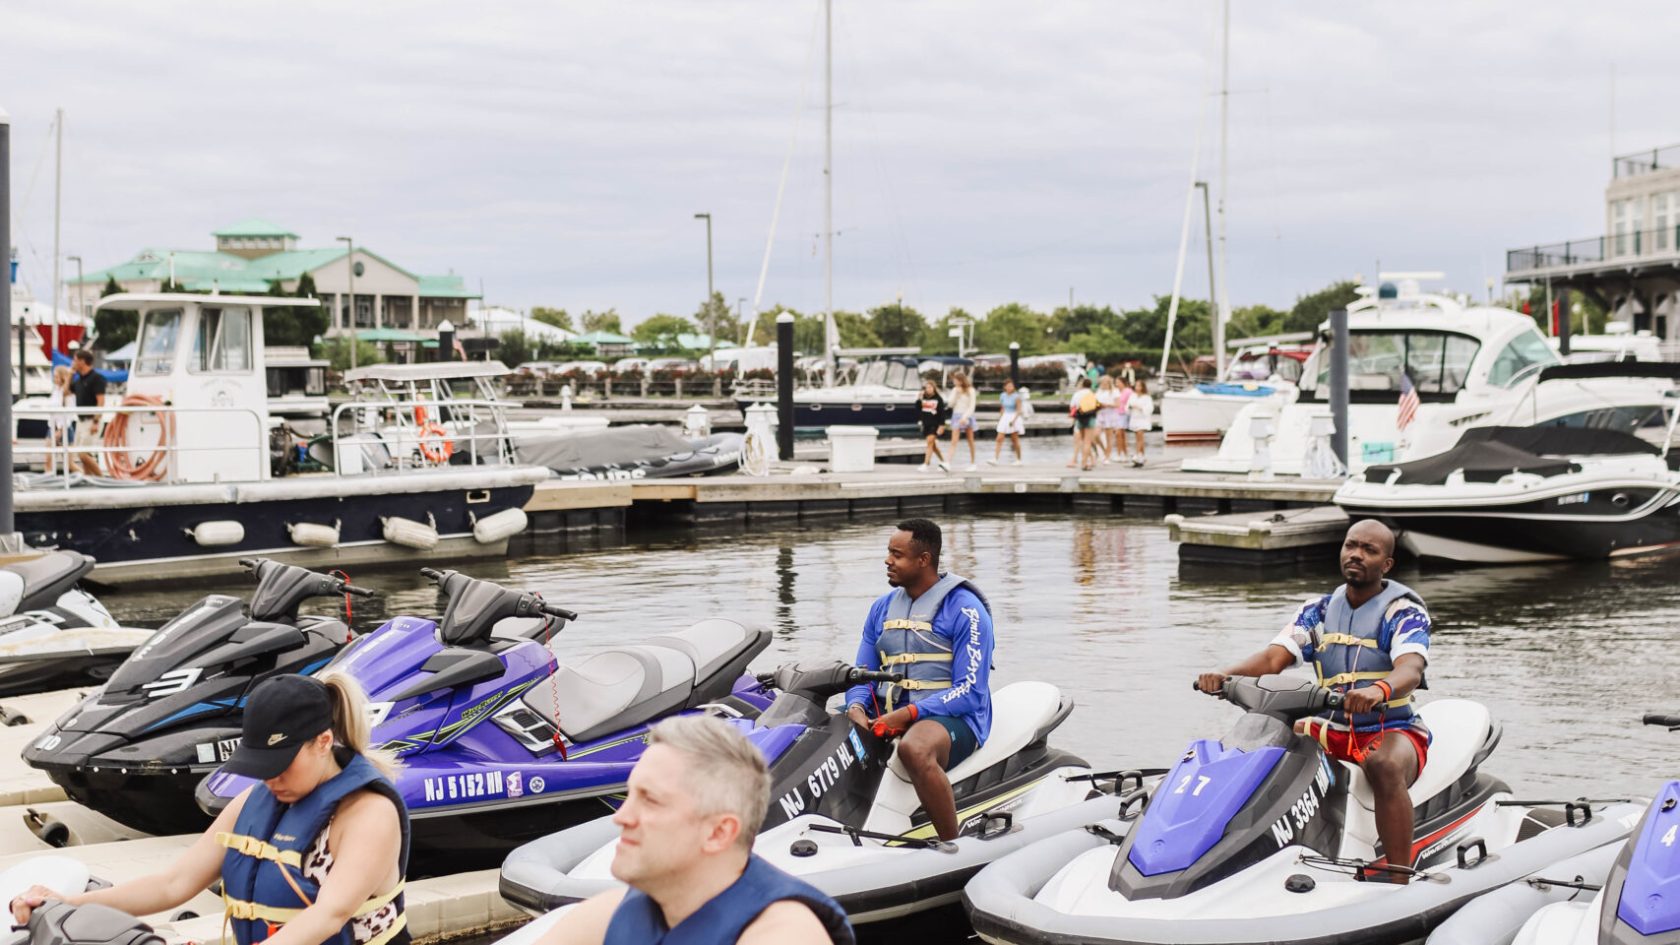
(53, 633)
(135, 749)
(843, 815)
(1618, 894)
(499, 743)
(1261, 838)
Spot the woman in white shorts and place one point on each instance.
(1140, 417)
(1010, 423)
(1111, 420)
(965, 400)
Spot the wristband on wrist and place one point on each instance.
(915, 713)
(1388, 690)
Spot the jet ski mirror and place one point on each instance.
(476, 606)
(1671, 722)
(282, 589)
(1283, 697)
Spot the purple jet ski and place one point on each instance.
(499, 742)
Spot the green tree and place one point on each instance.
(897, 325)
(114, 328)
(715, 317)
(659, 332)
(1012, 322)
(1312, 310)
(298, 324)
(855, 330)
(602, 321)
(1252, 321)
(1145, 329)
(936, 338)
(1082, 320)
(337, 352)
(513, 348)
(552, 316)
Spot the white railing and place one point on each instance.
(410, 439)
(56, 458)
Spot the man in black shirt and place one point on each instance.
(89, 388)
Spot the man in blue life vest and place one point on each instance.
(695, 802)
(937, 630)
(1368, 639)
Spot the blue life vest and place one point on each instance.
(909, 645)
(1350, 654)
(262, 872)
(639, 921)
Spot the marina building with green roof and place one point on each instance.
(255, 256)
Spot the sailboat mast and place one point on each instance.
(1222, 310)
(58, 194)
(831, 339)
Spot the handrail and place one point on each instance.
(51, 452)
(402, 421)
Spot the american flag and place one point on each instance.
(1408, 403)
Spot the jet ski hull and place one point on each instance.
(1005, 901)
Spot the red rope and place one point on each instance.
(349, 620)
(553, 683)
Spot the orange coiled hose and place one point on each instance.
(121, 464)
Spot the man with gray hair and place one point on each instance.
(695, 802)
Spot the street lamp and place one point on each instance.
(711, 332)
(745, 338)
(350, 309)
(79, 311)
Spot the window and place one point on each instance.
(223, 340)
(1438, 362)
(155, 353)
(1619, 225)
(1525, 351)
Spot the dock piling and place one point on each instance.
(784, 386)
(6, 520)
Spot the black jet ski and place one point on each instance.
(53, 633)
(135, 749)
(1262, 838)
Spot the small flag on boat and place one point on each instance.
(1408, 403)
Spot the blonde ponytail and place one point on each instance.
(350, 726)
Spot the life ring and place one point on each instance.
(435, 444)
(120, 464)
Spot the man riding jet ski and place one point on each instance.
(499, 743)
(843, 813)
(1618, 894)
(1260, 837)
(1369, 641)
(54, 634)
(135, 749)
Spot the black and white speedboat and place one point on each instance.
(53, 633)
(1520, 494)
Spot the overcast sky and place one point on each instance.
(984, 152)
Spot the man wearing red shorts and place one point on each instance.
(1368, 639)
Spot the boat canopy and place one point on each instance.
(430, 371)
(1487, 454)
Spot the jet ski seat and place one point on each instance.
(46, 578)
(1459, 727)
(628, 685)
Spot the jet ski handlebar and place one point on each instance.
(1283, 696)
(1671, 722)
(282, 588)
(822, 680)
(475, 606)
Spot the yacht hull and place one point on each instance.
(815, 415)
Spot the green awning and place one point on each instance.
(388, 335)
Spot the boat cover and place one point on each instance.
(1487, 453)
(621, 447)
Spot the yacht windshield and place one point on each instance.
(159, 330)
(894, 374)
(1438, 363)
(1526, 353)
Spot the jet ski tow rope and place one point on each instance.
(858, 835)
(1362, 870)
(1578, 883)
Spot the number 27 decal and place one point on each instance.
(1202, 781)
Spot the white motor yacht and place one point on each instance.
(1261, 368)
(1470, 366)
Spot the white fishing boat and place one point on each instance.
(1261, 368)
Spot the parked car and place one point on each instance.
(629, 364)
(581, 367)
(672, 365)
(536, 368)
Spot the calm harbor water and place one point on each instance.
(1567, 657)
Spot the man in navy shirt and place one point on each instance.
(937, 630)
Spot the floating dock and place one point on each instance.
(1259, 538)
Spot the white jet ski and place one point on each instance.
(54, 634)
(844, 817)
(1622, 893)
(1261, 838)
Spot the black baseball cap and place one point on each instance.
(282, 715)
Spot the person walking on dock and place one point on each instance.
(1140, 416)
(59, 423)
(965, 400)
(89, 391)
(1111, 419)
(1083, 409)
(1369, 640)
(931, 415)
(1011, 422)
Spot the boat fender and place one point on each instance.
(312, 535)
(502, 525)
(421, 536)
(218, 533)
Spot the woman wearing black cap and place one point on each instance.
(314, 854)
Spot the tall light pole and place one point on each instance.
(79, 313)
(350, 309)
(711, 330)
(58, 200)
(738, 303)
